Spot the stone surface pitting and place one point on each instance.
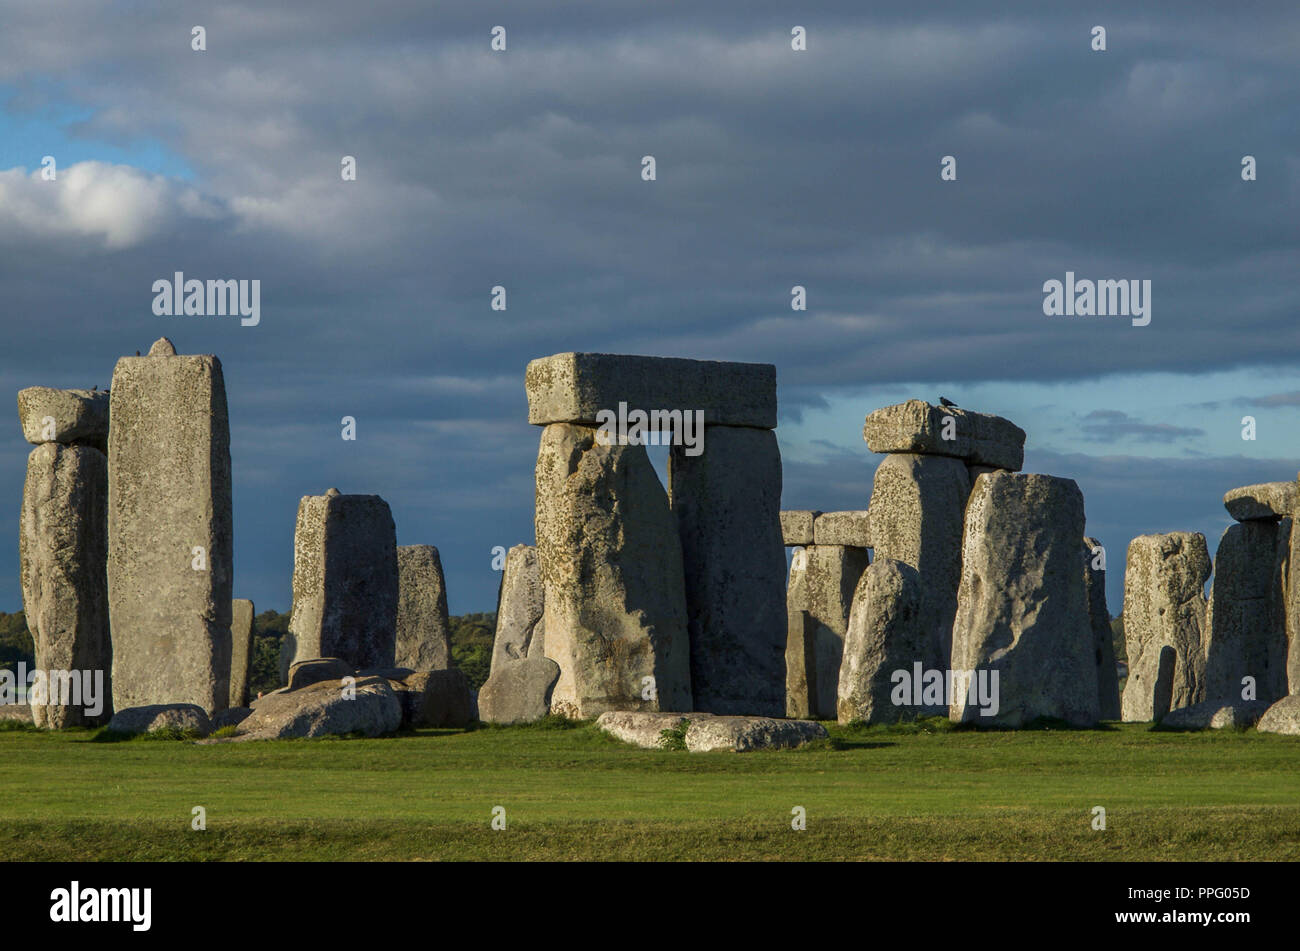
(78, 415)
(843, 528)
(918, 427)
(797, 526)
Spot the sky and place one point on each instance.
(774, 167)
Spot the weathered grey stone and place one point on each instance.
(231, 716)
(241, 649)
(1164, 606)
(388, 673)
(1094, 583)
(518, 691)
(521, 602)
(423, 629)
(325, 708)
(884, 636)
(918, 505)
(575, 387)
(169, 532)
(1023, 610)
(823, 579)
(706, 732)
(1291, 587)
(918, 427)
(345, 585)
(745, 734)
(727, 501)
(843, 528)
(304, 673)
(611, 565)
(62, 550)
(16, 712)
(797, 527)
(64, 416)
(1268, 500)
(161, 716)
(1216, 715)
(1282, 717)
(439, 698)
(1247, 612)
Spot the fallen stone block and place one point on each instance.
(232, 716)
(1268, 500)
(518, 691)
(1282, 717)
(575, 387)
(852, 529)
(918, 427)
(1216, 715)
(16, 712)
(423, 628)
(161, 716)
(438, 698)
(329, 707)
(705, 732)
(64, 416)
(307, 672)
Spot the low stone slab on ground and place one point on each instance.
(231, 716)
(1216, 715)
(518, 691)
(324, 709)
(17, 712)
(1267, 500)
(313, 671)
(705, 732)
(1282, 717)
(438, 698)
(161, 716)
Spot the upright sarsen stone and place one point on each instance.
(917, 513)
(1164, 607)
(345, 580)
(1094, 578)
(241, 650)
(611, 566)
(423, 628)
(169, 531)
(883, 638)
(1247, 612)
(819, 597)
(521, 601)
(62, 548)
(727, 502)
(1022, 607)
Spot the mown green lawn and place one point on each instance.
(916, 792)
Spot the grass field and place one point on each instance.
(569, 792)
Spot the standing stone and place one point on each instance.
(521, 601)
(1246, 614)
(823, 579)
(1164, 606)
(883, 637)
(1094, 578)
(169, 531)
(727, 501)
(423, 629)
(917, 508)
(62, 549)
(241, 650)
(345, 580)
(1292, 589)
(611, 566)
(1023, 609)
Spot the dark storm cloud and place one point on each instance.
(522, 169)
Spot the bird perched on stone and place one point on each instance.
(137, 353)
(946, 402)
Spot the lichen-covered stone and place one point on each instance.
(1268, 500)
(345, 586)
(843, 528)
(161, 716)
(62, 553)
(797, 526)
(1164, 607)
(170, 546)
(1022, 606)
(329, 707)
(611, 566)
(521, 603)
(64, 416)
(918, 427)
(423, 628)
